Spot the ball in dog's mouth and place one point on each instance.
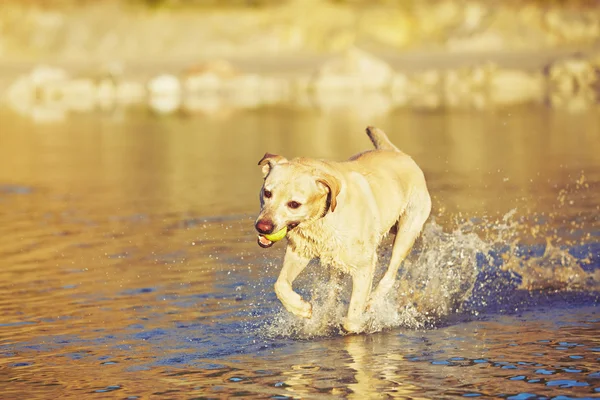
(268, 239)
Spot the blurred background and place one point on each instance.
(206, 56)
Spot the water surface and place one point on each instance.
(129, 264)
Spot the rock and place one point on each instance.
(456, 82)
(507, 86)
(571, 75)
(425, 88)
(275, 89)
(42, 82)
(400, 88)
(266, 90)
(164, 104)
(165, 95)
(209, 105)
(44, 74)
(573, 102)
(208, 82)
(208, 77)
(79, 95)
(457, 88)
(250, 83)
(355, 70)
(164, 85)
(467, 87)
(128, 92)
(245, 100)
(106, 93)
(21, 91)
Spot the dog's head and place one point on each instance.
(293, 193)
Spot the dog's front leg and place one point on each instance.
(362, 280)
(293, 264)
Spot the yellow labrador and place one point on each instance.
(339, 212)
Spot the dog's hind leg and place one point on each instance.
(362, 281)
(409, 228)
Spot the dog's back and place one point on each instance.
(393, 176)
(386, 162)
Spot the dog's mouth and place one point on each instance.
(265, 242)
(292, 225)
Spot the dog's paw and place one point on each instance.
(352, 326)
(305, 311)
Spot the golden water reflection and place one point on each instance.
(208, 165)
(128, 263)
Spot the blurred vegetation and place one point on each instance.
(403, 4)
(150, 3)
(193, 29)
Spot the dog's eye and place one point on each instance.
(294, 204)
(267, 194)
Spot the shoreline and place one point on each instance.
(353, 80)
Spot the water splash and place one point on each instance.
(433, 282)
(457, 272)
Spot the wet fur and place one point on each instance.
(348, 207)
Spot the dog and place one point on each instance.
(339, 212)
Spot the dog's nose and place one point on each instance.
(264, 226)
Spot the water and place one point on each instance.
(129, 264)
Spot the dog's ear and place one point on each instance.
(268, 161)
(333, 186)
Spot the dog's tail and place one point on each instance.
(380, 139)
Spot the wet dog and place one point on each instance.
(339, 212)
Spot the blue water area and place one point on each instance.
(496, 290)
